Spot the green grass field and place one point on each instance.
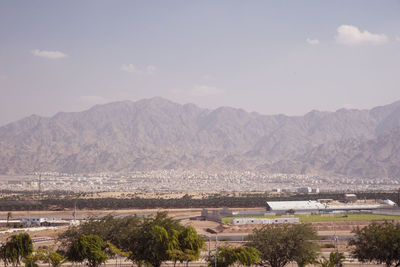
(325, 218)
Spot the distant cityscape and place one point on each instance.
(178, 181)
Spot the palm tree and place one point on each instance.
(9, 216)
(31, 260)
(335, 260)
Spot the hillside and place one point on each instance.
(159, 134)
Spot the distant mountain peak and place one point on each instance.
(157, 133)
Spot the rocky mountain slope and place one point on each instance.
(159, 134)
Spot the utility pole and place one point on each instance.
(216, 248)
(40, 186)
(336, 239)
(209, 247)
(334, 233)
(211, 231)
(74, 213)
(398, 197)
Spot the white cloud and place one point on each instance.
(129, 68)
(49, 54)
(352, 36)
(398, 38)
(3, 77)
(133, 69)
(205, 90)
(312, 41)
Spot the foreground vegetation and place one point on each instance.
(153, 241)
(324, 218)
(378, 243)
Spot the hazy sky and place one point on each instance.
(267, 56)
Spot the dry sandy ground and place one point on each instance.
(88, 213)
(344, 228)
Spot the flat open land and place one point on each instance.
(325, 218)
(99, 213)
(324, 225)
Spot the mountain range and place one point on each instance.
(156, 134)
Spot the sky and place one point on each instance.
(272, 57)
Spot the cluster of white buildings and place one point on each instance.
(187, 180)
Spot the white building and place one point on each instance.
(243, 221)
(33, 221)
(312, 206)
(280, 207)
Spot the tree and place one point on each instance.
(48, 255)
(56, 259)
(31, 260)
(114, 252)
(9, 216)
(16, 248)
(115, 230)
(142, 240)
(87, 247)
(227, 256)
(377, 243)
(155, 240)
(247, 256)
(190, 245)
(335, 259)
(280, 244)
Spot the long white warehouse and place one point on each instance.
(242, 221)
(312, 206)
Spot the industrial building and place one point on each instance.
(243, 221)
(281, 207)
(31, 222)
(327, 205)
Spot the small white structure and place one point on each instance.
(74, 222)
(33, 221)
(315, 190)
(243, 221)
(305, 190)
(389, 202)
(350, 197)
(280, 207)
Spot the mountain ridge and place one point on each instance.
(160, 134)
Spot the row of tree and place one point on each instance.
(19, 248)
(53, 202)
(142, 240)
(152, 241)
